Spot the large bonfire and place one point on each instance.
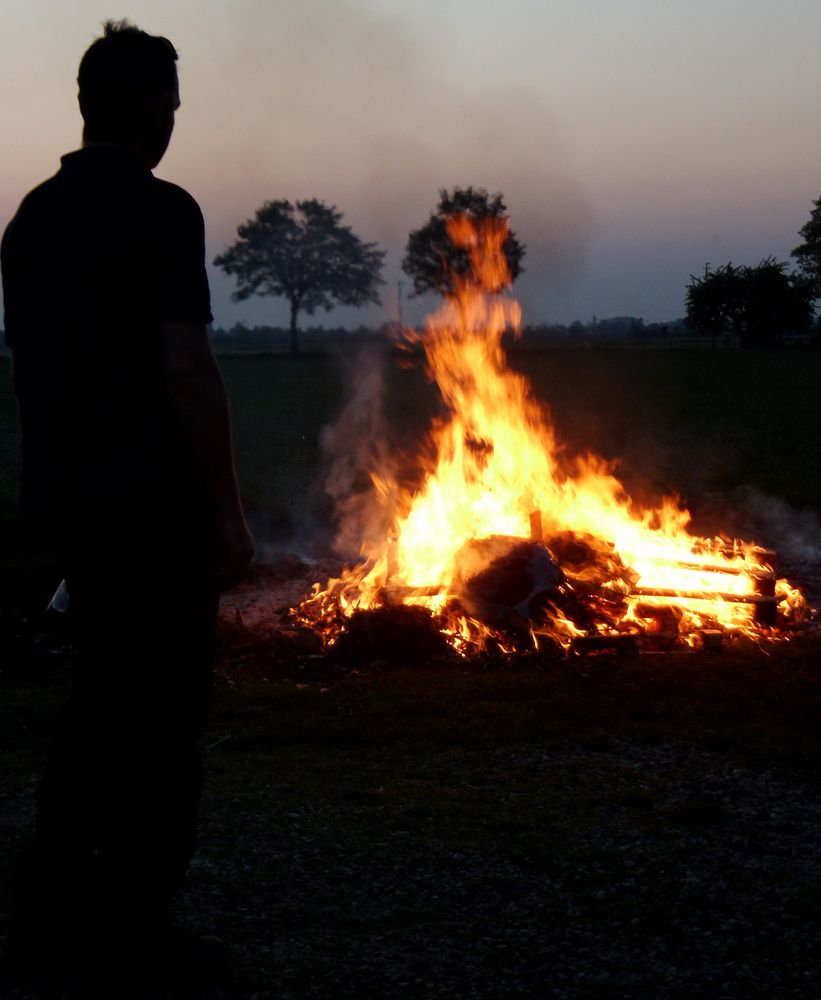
(506, 536)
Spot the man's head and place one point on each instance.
(129, 91)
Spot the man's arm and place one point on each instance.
(200, 406)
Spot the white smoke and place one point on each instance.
(355, 445)
(795, 533)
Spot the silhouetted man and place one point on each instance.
(128, 472)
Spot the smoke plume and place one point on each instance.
(354, 445)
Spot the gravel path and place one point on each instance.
(673, 874)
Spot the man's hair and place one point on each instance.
(120, 75)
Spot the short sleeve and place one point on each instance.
(182, 294)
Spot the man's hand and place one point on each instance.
(235, 550)
(197, 396)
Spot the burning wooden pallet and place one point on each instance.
(596, 577)
(637, 616)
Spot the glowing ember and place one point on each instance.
(604, 567)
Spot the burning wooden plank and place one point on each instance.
(765, 607)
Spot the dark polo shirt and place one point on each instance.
(95, 260)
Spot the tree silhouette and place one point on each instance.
(715, 302)
(431, 257)
(808, 254)
(303, 253)
(759, 304)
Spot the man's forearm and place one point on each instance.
(200, 408)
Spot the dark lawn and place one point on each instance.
(692, 422)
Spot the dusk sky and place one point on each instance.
(633, 140)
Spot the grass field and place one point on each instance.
(696, 423)
(709, 426)
(645, 828)
(690, 422)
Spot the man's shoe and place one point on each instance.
(177, 962)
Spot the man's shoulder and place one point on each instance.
(39, 196)
(175, 199)
(37, 205)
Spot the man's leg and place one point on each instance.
(54, 871)
(118, 803)
(154, 782)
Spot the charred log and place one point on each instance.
(404, 635)
(711, 640)
(614, 645)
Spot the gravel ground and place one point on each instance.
(673, 874)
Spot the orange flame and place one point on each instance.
(496, 461)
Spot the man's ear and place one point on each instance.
(165, 104)
(161, 104)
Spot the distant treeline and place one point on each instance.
(618, 331)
